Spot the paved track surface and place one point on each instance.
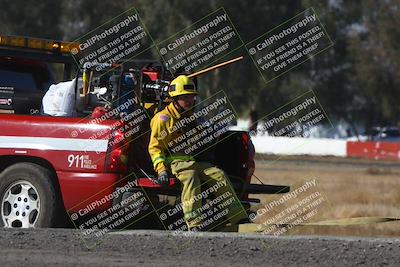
(63, 247)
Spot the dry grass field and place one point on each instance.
(349, 188)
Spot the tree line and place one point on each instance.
(356, 80)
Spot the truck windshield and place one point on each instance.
(25, 78)
(15, 79)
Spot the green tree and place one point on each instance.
(31, 18)
(376, 54)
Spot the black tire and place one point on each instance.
(39, 180)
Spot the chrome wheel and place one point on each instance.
(20, 205)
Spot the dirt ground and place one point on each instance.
(349, 187)
(63, 247)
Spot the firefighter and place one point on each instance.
(191, 171)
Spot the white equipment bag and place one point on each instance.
(59, 99)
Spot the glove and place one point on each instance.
(163, 179)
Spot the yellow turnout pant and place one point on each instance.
(192, 175)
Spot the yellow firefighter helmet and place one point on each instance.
(182, 85)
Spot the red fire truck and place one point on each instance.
(52, 166)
